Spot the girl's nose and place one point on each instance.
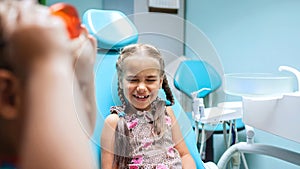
(141, 87)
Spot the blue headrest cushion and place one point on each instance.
(111, 28)
(193, 75)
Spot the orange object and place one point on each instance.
(70, 16)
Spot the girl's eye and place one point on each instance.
(151, 80)
(132, 80)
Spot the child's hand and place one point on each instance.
(39, 42)
(85, 50)
(37, 37)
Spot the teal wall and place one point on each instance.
(81, 5)
(125, 6)
(250, 36)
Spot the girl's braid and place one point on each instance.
(121, 95)
(119, 72)
(166, 87)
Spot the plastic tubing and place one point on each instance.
(256, 148)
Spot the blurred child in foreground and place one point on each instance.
(47, 107)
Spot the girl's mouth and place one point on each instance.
(141, 97)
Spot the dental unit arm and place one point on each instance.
(250, 147)
(294, 71)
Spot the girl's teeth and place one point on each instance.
(141, 97)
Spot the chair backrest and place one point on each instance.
(106, 76)
(112, 29)
(193, 75)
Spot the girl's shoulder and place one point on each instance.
(170, 113)
(119, 110)
(114, 116)
(112, 120)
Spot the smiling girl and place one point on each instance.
(143, 132)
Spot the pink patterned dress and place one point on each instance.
(150, 151)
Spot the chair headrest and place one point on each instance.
(193, 75)
(111, 28)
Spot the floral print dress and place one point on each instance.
(150, 151)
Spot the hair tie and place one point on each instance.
(168, 103)
(121, 114)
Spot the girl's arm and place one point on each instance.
(187, 160)
(108, 141)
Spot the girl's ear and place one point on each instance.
(9, 95)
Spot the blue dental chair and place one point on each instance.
(113, 31)
(194, 75)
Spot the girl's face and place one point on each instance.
(141, 81)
